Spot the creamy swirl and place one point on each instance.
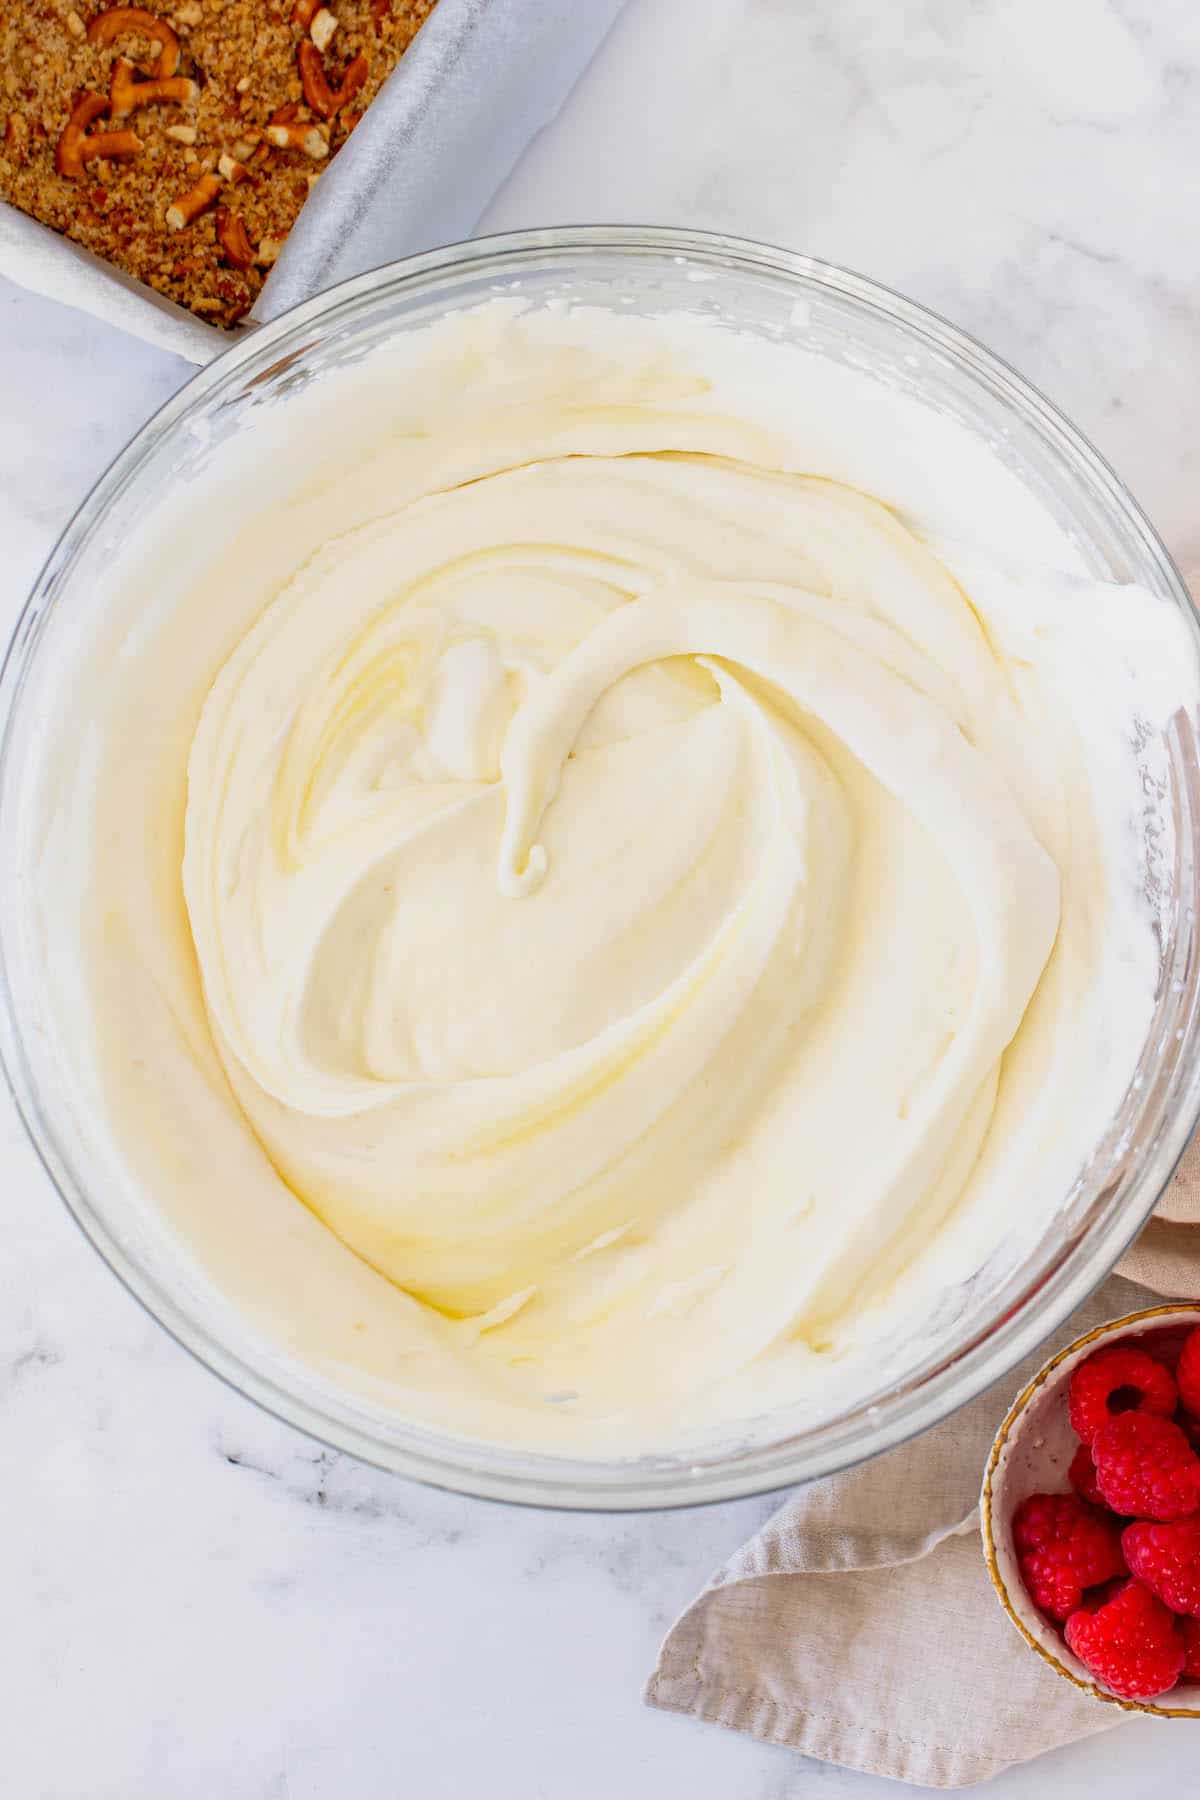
(627, 911)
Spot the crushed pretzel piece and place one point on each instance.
(304, 11)
(268, 250)
(75, 25)
(231, 235)
(126, 93)
(68, 154)
(323, 26)
(88, 108)
(134, 20)
(298, 136)
(231, 170)
(313, 79)
(16, 132)
(353, 78)
(327, 101)
(182, 134)
(190, 13)
(188, 207)
(118, 146)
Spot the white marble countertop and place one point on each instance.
(197, 1600)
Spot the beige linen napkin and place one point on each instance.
(860, 1625)
(1166, 1257)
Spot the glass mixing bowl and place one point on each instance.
(982, 1327)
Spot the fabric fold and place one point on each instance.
(859, 1625)
(912, 1672)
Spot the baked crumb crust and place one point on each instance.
(179, 141)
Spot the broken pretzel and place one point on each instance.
(120, 21)
(295, 135)
(189, 206)
(231, 235)
(327, 101)
(77, 146)
(126, 93)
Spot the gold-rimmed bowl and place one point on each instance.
(1031, 1455)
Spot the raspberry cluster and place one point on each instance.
(1116, 1564)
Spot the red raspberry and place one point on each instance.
(1082, 1475)
(1187, 1373)
(1131, 1643)
(1062, 1548)
(1167, 1559)
(1190, 1631)
(1146, 1468)
(1096, 1383)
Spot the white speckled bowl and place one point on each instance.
(1031, 1455)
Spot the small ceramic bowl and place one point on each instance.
(1031, 1455)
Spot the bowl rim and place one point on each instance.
(987, 1505)
(944, 1382)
